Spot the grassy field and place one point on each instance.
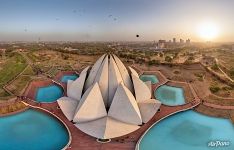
(47, 59)
(13, 66)
(29, 71)
(3, 93)
(32, 57)
(19, 84)
(12, 108)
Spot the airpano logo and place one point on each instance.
(218, 143)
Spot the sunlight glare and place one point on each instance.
(208, 30)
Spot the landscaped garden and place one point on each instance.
(13, 65)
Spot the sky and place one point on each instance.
(113, 20)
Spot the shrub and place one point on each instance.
(232, 72)
(191, 58)
(168, 59)
(214, 89)
(199, 75)
(12, 108)
(215, 67)
(175, 55)
(19, 105)
(4, 110)
(226, 88)
(64, 56)
(153, 62)
(176, 72)
(160, 54)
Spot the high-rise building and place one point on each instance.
(161, 41)
(174, 40)
(161, 44)
(2, 52)
(188, 41)
(181, 41)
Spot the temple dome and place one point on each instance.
(108, 100)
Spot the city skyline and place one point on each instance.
(116, 20)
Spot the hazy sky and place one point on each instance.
(107, 20)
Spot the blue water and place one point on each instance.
(32, 130)
(189, 131)
(151, 78)
(49, 93)
(65, 78)
(169, 95)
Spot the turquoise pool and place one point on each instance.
(65, 78)
(189, 131)
(169, 95)
(151, 78)
(32, 130)
(49, 93)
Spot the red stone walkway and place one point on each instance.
(218, 106)
(83, 141)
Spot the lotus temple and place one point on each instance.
(111, 106)
(108, 101)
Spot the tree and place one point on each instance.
(64, 56)
(168, 59)
(232, 72)
(191, 58)
(215, 67)
(214, 89)
(176, 55)
(153, 62)
(160, 54)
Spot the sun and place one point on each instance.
(208, 30)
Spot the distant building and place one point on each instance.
(161, 41)
(188, 41)
(161, 44)
(20, 50)
(208, 60)
(70, 49)
(15, 46)
(3, 51)
(181, 41)
(174, 40)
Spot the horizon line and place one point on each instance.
(104, 41)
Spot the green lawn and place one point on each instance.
(13, 66)
(29, 71)
(19, 84)
(32, 57)
(3, 93)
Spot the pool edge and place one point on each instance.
(50, 113)
(43, 83)
(138, 142)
